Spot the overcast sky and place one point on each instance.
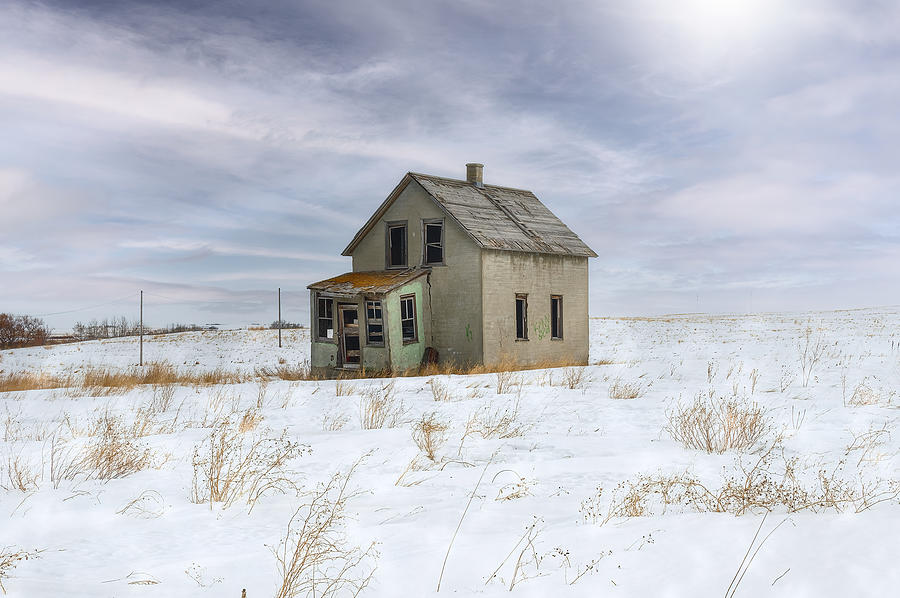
(718, 155)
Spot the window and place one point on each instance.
(326, 318)
(522, 317)
(433, 252)
(374, 324)
(556, 317)
(396, 245)
(408, 318)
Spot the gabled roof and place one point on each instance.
(378, 282)
(494, 217)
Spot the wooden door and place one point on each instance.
(349, 342)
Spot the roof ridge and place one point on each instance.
(464, 182)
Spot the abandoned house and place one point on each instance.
(459, 271)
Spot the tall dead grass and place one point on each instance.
(230, 466)
(10, 558)
(314, 558)
(430, 433)
(716, 425)
(380, 407)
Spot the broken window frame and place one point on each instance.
(426, 222)
(556, 320)
(388, 249)
(326, 305)
(374, 306)
(407, 303)
(522, 317)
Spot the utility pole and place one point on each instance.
(141, 358)
(279, 317)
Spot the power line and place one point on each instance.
(71, 311)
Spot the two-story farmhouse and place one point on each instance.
(481, 274)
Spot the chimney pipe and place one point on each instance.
(475, 174)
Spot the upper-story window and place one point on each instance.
(521, 317)
(396, 245)
(433, 235)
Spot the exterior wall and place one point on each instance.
(405, 356)
(454, 320)
(506, 273)
(323, 357)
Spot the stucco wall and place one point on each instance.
(506, 273)
(405, 355)
(453, 326)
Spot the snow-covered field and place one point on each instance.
(514, 485)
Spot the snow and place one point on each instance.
(574, 441)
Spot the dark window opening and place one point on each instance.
(396, 245)
(408, 318)
(350, 334)
(325, 318)
(522, 317)
(556, 316)
(434, 243)
(374, 323)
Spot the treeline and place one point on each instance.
(22, 331)
(122, 326)
(285, 325)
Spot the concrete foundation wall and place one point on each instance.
(453, 322)
(506, 273)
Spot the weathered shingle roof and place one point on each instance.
(378, 282)
(495, 217)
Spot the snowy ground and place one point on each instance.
(536, 517)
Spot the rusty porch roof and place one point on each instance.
(356, 283)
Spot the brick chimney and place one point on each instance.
(475, 174)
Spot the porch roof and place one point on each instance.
(377, 282)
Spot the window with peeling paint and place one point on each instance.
(433, 235)
(408, 318)
(325, 318)
(374, 324)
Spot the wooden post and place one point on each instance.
(141, 357)
(279, 317)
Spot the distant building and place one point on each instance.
(480, 273)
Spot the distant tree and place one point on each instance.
(285, 325)
(22, 331)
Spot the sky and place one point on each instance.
(718, 155)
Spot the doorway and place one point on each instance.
(349, 343)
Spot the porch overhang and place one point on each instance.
(353, 284)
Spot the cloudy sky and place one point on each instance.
(719, 155)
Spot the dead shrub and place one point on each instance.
(620, 389)
(575, 378)
(500, 422)
(439, 390)
(20, 474)
(162, 398)
(10, 558)
(114, 452)
(865, 395)
(380, 408)
(249, 420)
(230, 466)
(811, 350)
(764, 484)
(429, 433)
(315, 558)
(334, 421)
(717, 425)
(506, 380)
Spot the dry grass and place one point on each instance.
(574, 378)
(760, 486)
(500, 422)
(439, 390)
(864, 394)
(19, 474)
(430, 433)
(506, 381)
(22, 381)
(114, 452)
(380, 407)
(314, 558)
(620, 389)
(717, 425)
(10, 558)
(229, 467)
(283, 371)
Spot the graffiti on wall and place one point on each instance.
(542, 327)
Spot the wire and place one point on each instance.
(130, 296)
